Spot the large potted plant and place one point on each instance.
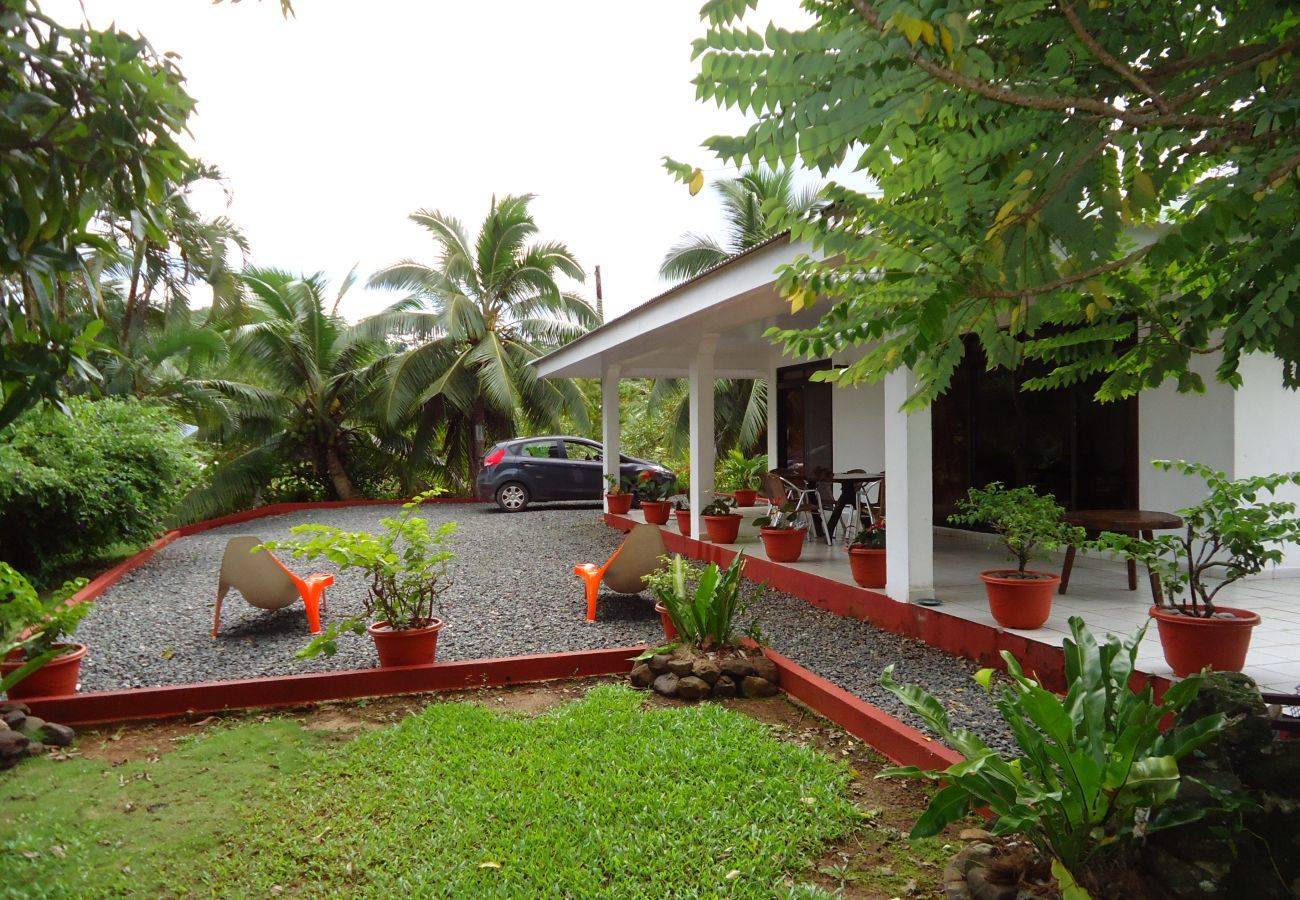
(1229, 535)
(653, 494)
(618, 499)
(1027, 522)
(782, 534)
(721, 520)
(682, 510)
(406, 572)
(37, 662)
(742, 475)
(867, 556)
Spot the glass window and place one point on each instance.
(582, 451)
(540, 449)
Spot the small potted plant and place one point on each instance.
(721, 520)
(1227, 536)
(653, 494)
(682, 510)
(1027, 522)
(742, 475)
(406, 572)
(618, 500)
(867, 556)
(36, 662)
(782, 534)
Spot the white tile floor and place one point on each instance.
(1098, 591)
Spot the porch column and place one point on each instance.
(702, 440)
(772, 444)
(909, 491)
(609, 418)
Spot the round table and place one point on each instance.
(1135, 522)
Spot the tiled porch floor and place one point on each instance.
(1097, 592)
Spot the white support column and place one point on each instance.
(609, 418)
(772, 443)
(702, 440)
(909, 551)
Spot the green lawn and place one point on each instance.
(600, 796)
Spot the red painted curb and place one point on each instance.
(295, 690)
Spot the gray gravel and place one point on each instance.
(514, 592)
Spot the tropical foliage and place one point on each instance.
(1026, 521)
(704, 604)
(31, 625)
(1105, 187)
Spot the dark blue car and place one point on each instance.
(557, 467)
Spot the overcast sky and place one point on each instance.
(333, 126)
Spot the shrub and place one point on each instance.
(73, 485)
(32, 626)
(1024, 519)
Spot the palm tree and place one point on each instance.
(478, 316)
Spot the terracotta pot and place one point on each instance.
(745, 497)
(1192, 643)
(683, 521)
(723, 529)
(618, 504)
(868, 566)
(656, 511)
(670, 632)
(56, 678)
(783, 544)
(1020, 602)
(405, 646)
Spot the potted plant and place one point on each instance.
(618, 500)
(406, 572)
(36, 662)
(867, 556)
(1230, 534)
(1026, 522)
(742, 475)
(682, 510)
(654, 495)
(721, 520)
(782, 534)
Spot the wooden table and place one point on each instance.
(1135, 522)
(849, 483)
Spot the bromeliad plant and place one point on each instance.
(1027, 522)
(738, 472)
(1094, 767)
(31, 627)
(406, 564)
(703, 607)
(1230, 534)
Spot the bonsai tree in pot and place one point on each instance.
(782, 534)
(867, 556)
(1027, 523)
(618, 499)
(722, 520)
(1229, 535)
(406, 565)
(654, 494)
(37, 662)
(742, 475)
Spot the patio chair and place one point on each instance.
(266, 583)
(638, 557)
(807, 500)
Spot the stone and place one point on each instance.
(974, 834)
(13, 747)
(692, 688)
(753, 686)
(35, 748)
(57, 735)
(765, 668)
(737, 667)
(32, 727)
(977, 879)
(724, 688)
(10, 705)
(14, 718)
(642, 675)
(706, 669)
(3, 726)
(659, 663)
(680, 667)
(666, 684)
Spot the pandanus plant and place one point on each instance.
(703, 609)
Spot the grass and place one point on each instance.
(598, 797)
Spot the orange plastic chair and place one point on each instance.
(267, 583)
(624, 572)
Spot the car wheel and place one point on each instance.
(512, 496)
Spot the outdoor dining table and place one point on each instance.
(1135, 522)
(849, 483)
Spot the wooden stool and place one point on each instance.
(1134, 522)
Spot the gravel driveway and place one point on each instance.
(513, 592)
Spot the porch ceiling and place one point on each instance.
(734, 303)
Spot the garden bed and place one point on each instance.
(526, 790)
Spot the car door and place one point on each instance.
(586, 469)
(545, 469)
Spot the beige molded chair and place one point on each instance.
(638, 557)
(265, 583)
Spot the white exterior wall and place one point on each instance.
(858, 436)
(1266, 423)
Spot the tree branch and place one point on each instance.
(1104, 56)
(1067, 280)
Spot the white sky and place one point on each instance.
(334, 126)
